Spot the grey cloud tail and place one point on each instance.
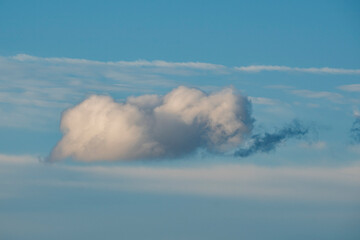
(267, 142)
(355, 130)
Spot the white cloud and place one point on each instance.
(314, 145)
(356, 113)
(354, 148)
(281, 87)
(152, 126)
(263, 101)
(350, 88)
(190, 65)
(138, 63)
(327, 70)
(17, 159)
(335, 97)
(312, 105)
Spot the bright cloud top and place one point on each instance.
(151, 126)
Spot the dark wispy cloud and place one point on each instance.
(267, 142)
(355, 130)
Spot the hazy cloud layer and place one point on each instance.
(151, 126)
(38, 89)
(34, 90)
(269, 141)
(301, 183)
(310, 183)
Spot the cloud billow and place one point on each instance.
(268, 142)
(152, 126)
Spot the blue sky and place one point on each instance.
(289, 59)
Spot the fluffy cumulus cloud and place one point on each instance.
(153, 126)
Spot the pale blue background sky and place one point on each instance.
(295, 33)
(75, 200)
